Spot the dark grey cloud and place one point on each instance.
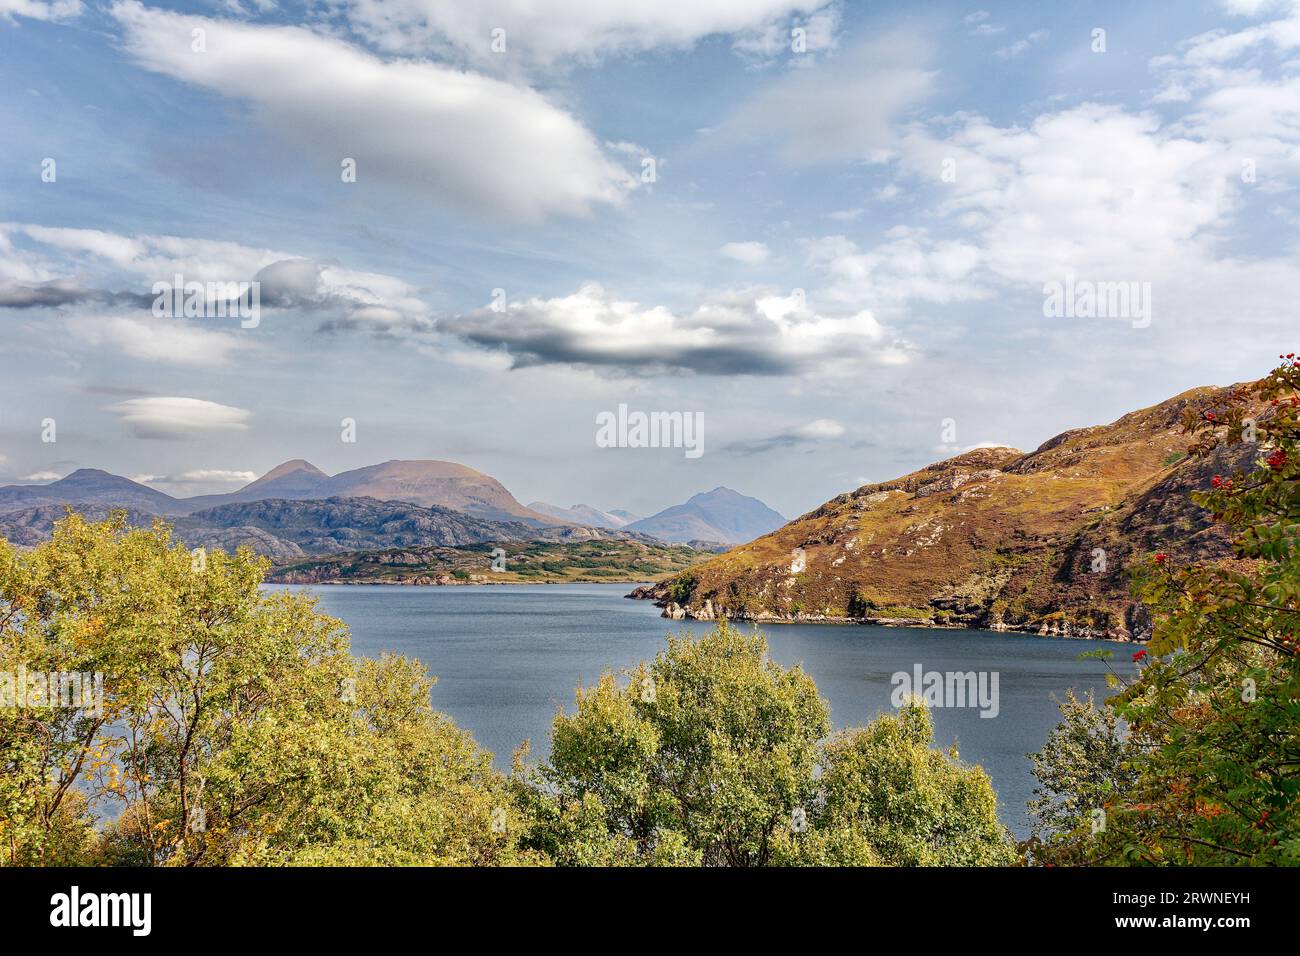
(728, 334)
(58, 293)
(532, 341)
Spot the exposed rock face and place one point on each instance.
(996, 538)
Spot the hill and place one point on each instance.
(993, 538)
(534, 562)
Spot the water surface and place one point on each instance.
(506, 656)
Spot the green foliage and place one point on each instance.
(714, 755)
(1083, 768)
(1210, 771)
(858, 605)
(912, 804)
(236, 728)
(682, 588)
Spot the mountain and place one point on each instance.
(720, 515)
(585, 514)
(287, 480)
(87, 486)
(993, 538)
(285, 529)
(442, 484)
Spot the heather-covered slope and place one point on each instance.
(991, 538)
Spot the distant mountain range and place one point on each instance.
(287, 530)
(585, 514)
(442, 484)
(721, 516)
(296, 510)
(994, 538)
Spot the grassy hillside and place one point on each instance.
(991, 538)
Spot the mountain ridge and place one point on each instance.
(424, 482)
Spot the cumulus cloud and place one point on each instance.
(512, 153)
(1233, 99)
(541, 33)
(750, 253)
(1093, 190)
(742, 333)
(909, 265)
(174, 418)
(1103, 194)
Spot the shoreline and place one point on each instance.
(1080, 634)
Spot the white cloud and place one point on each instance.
(775, 40)
(1020, 46)
(541, 32)
(175, 417)
(1238, 104)
(462, 139)
(1093, 190)
(42, 476)
(909, 265)
(155, 257)
(198, 476)
(821, 428)
(750, 253)
(40, 9)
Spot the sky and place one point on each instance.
(841, 233)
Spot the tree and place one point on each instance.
(914, 805)
(1211, 767)
(235, 727)
(1085, 765)
(712, 754)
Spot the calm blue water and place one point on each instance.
(507, 656)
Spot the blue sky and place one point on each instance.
(842, 248)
